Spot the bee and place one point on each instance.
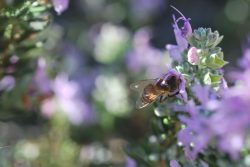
(152, 89)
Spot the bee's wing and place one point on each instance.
(141, 104)
(140, 85)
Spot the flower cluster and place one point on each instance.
(213, 119)
(215, 116)
(200, 60)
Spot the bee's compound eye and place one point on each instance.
(172, 82)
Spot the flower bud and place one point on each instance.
(192, 56)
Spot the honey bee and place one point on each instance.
(151, 89)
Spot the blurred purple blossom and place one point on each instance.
(60, 5)
(230, 112)
(130, 162)
(74, 63)
(48, 107)
(68, 99)
(196, 134)
(71, 87)
(174, 52)
(73, 60)
(7, 83)
(68, 94)
(202, 92)
(14, 59)
(223, 86)
(144, 56)
(86, 81)
(40, 79)
(174, 163)
(233, 113)
(230, 116)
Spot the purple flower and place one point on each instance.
(7, 83)
(182, 87)
(234, 116)
(174, 52)
(174, 163)
(182, 92)
(233, 113)
(74, 63)
(73, 59)
(14, 59)
(130, 162)
(223, 84)
(40, 79)
(201, 92)
(200, 125)
(60, 5)
(196, 134)
(226, 120)
(144, 56)
(68, 99)
(181, 35)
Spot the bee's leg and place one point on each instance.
(163, 98)
(174, 94)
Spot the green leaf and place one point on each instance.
(218, 41)
(8, 31)
(211, 79)
(205, 38)
(216, 61)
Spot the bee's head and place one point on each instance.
(162, 84)
(170, 83)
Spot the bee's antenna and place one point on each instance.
(177, 11)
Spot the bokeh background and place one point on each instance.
(69, 104)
